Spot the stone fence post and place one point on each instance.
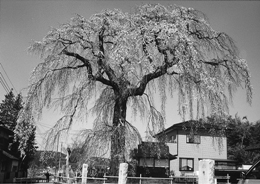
(206, 171)
(84, 173)
(122, 178)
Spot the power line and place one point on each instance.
(6, 87)
(44, 125)
(8, 78)
(6, 84)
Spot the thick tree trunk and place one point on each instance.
(118, 136)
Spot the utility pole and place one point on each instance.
(56, 165)
(67, 165)
(60, 155)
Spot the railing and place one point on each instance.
(191, 179)
(29, 180)
(61, 179)
(226, 178)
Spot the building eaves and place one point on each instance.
(187, 125)
(253, 148)
(9, 155)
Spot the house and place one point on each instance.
(153, 159)
(97, 166)
(191, 141)
(8, 162)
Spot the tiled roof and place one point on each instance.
(153, 150)
(188, 125)
(9, 155)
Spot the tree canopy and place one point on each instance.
(243, 134)
(119, 60)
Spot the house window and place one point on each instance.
(186, 164)
(225, 165)
(146, 162)
(193, 139)
(173, 139)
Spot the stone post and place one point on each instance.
(206, 171)
(84, 173)
(122, 178)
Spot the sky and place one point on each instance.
(25, 21)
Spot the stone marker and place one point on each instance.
(206, 171)
(84, 173)
(122, 173)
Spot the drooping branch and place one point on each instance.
(84, 60)
(161, 70)
(97, 77)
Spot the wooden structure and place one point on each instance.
(153, 159)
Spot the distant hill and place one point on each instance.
(44, 159)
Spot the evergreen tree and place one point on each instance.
(9, 109)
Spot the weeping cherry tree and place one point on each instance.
(118, 60)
